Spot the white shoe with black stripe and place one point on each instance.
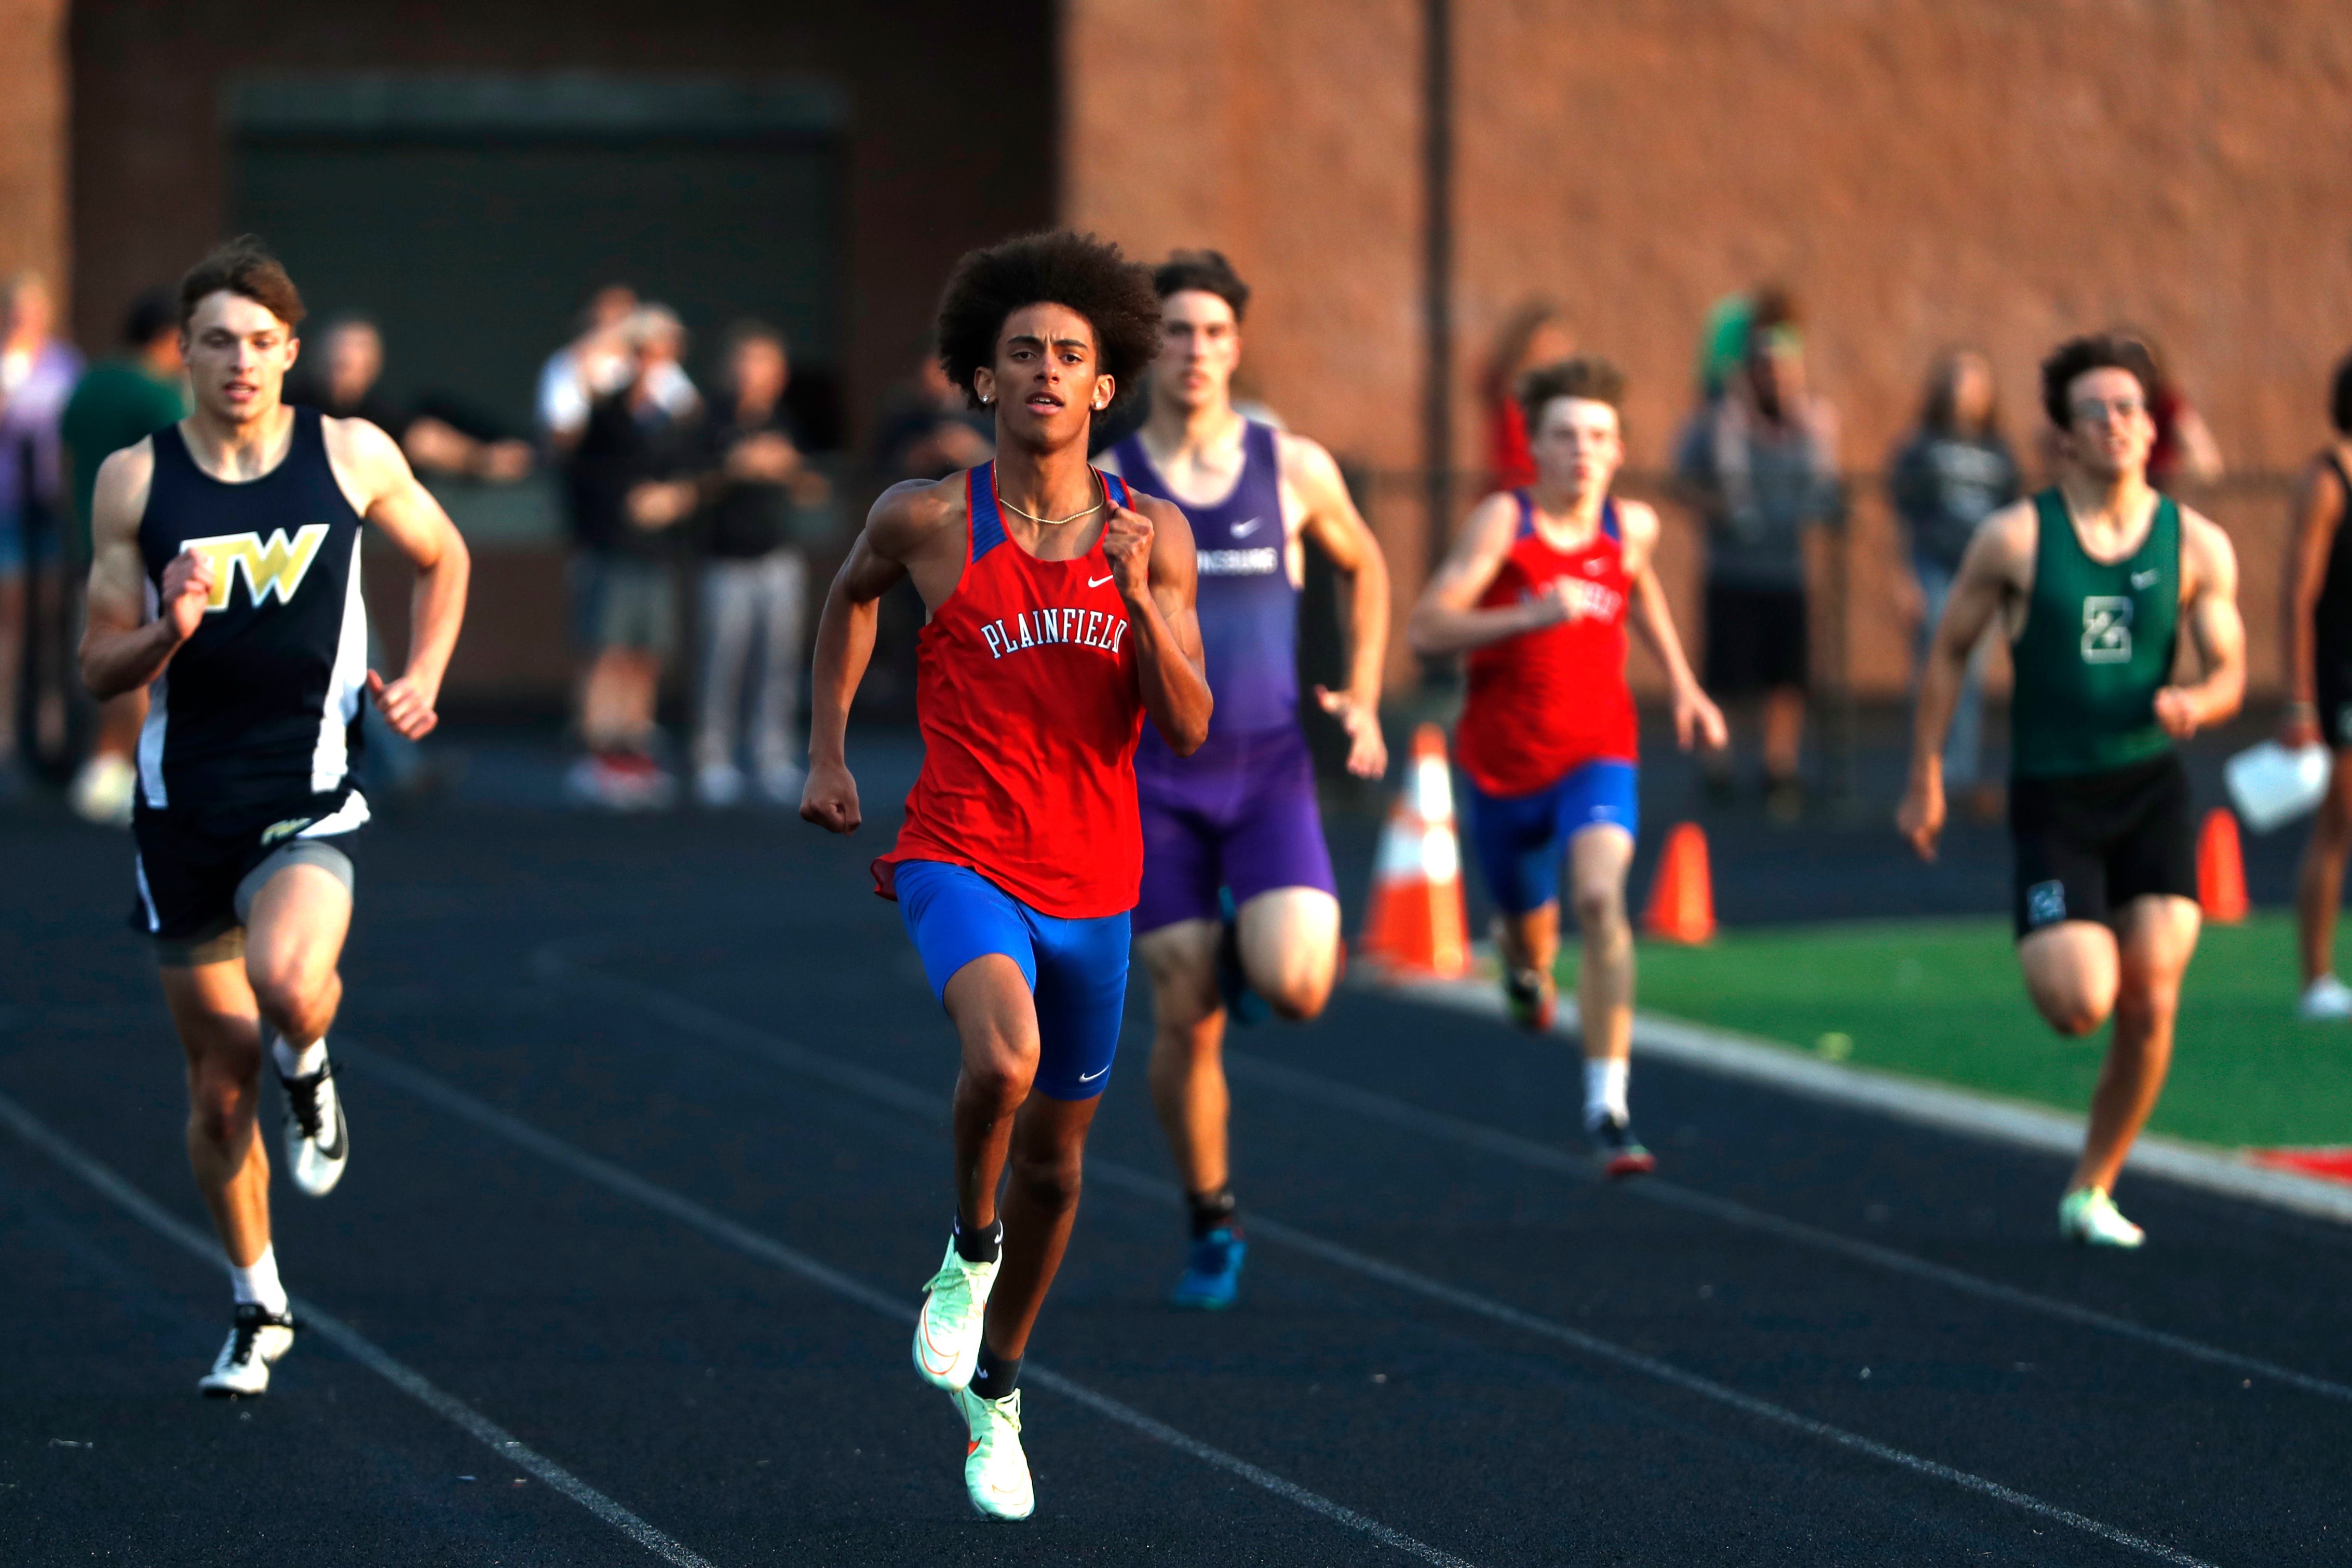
(259, 1337)
(318, 1144)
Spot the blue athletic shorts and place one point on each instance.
(1518, 839)
(1077, 970)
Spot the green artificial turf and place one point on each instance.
(1943, 1000)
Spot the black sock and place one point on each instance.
(1213, 1211)
(993, 1375)
(979, 1246)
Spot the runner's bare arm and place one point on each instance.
(1150, 553)
(121, 649)
(2209, 595)
(385, 491)
(1447, 619)
(1332, 522)
(902, 521)
(2316, 512)
(1697, 718)
(1993, 570)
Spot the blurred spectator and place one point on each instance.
(1760, 464)
(931, 433)
(1535, 334)
(631, 485)
(597, 364)
(1723, 345)
(349, 384)
(118, 404)
(37, 374)
(593, 362)
(754, 577)
(2184, 448)
(1952, 473)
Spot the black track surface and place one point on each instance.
(718, 1008)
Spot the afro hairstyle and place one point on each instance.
(1086, 274)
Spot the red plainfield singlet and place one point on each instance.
(1546, 702)
(1026, 690)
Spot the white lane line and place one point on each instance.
(352, 1344)
(446, 1097)
(1705, 1387)
(1945, 1109)
(1335, 1095)
(693, 1017)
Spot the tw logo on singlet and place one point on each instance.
(276, 567)
(2106, 630)
(1039, 629)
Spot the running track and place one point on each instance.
(650, 1164)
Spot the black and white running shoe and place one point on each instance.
(318, 1144)
(1620, 1153)
(259, 1339)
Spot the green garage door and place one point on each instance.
(470, 216)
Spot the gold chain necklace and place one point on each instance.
(1047, 521)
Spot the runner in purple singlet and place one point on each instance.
(1239, 908)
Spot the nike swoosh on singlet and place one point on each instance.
(1243, 530)
(2144, 579)
(1096, 582)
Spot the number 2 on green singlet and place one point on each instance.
(2106, 630)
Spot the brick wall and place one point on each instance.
(2002, 172)
(33, 131)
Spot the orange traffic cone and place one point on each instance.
(2221, 869)
(1416, 924)
(1682, 897)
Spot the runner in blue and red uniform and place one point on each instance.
(1239, 910)
(1536, 590)
(1061, 616)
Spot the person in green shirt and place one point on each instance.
(116, 404)
(2093, 580)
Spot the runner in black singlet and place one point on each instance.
(2318, 622)
(224, 578)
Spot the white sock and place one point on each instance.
(298, 1064)
(1604, 1091)
(258, 1282)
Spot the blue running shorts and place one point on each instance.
(1518, 839)
(1077, 970)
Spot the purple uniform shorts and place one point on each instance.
(1238, 814)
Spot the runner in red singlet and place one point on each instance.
(1061, 616)
(1536, 590)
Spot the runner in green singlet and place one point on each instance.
(2093, 579)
